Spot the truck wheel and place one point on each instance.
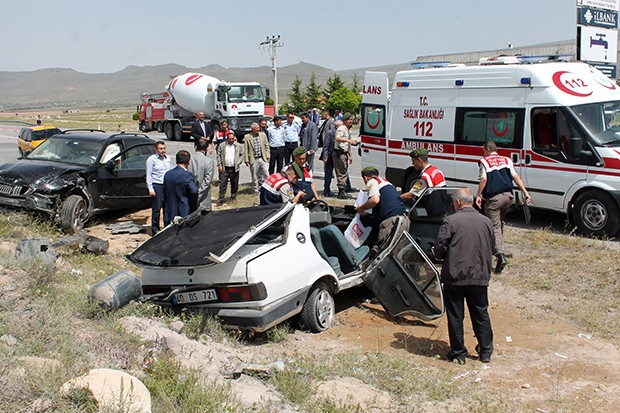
(178, 132)
(169, 130)
(160, 127)
(319, 309)
(73, 214)
(143, 127)
(596, 213)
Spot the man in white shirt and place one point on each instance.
(230, 156)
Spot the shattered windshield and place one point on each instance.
(188, 244)
(602, 119)
(67, 150)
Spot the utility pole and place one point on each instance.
(270, 44)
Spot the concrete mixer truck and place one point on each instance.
(172, 112)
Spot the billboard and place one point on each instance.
(600, 4)
(596, 44)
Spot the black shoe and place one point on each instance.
(328, 194)
(501, 263)
(351, 189)
(343, 195)
(483, 357)
(455, 359)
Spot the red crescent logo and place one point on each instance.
(502, 125)
(567, 82)
(192, 79)
(174, 82)
(373, 126)
(603, 80)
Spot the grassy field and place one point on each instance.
(112, 120)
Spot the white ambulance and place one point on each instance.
(559, 123)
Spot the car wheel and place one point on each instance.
(319, 309)
(596, 213)
(73, 214)
(169, 130)
(178, 132)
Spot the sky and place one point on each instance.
(107, 36)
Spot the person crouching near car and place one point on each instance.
(386, 205)
(304, 174)
(466, 243)
(279, 188)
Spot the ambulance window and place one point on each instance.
(477, 125)
(544, 128)
(373, 120)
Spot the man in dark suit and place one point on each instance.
(203, 168)
(308, 138)
(180, 190)
(200, 128)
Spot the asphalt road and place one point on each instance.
(8, 153)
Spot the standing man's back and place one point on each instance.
(466, 243)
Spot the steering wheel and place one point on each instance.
(318, 205)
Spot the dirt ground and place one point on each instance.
(540, 361)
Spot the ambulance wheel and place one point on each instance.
(169, 130)
(596, 213)
(319, 310)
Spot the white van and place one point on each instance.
(559, 123)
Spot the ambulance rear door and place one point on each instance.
(373, 126)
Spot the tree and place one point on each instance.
(333, 85)
(345, 100)
(296, 98)
(355, 86)
(314, 94)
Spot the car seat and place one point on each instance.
(315, 235)
(336, 245)
(544, 132)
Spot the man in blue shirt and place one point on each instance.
(291, 136)
(275, 134)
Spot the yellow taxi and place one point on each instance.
(32, 136)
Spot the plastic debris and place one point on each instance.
(508, 339)
(586, 336)
(560, 356)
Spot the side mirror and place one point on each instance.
(267, 93)
(574, 147)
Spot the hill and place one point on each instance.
(66, 88)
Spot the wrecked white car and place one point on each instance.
(256, 267)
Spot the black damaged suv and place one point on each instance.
(77, 174)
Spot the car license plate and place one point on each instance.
(191, 297)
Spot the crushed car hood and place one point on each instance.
(25, 172)
(204, 238)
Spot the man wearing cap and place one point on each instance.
(279, 188)
(386, 205)
(300, 166)
(230, 156)
(342, 154)
(220, 135)
(275, 134)
(430, 176)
